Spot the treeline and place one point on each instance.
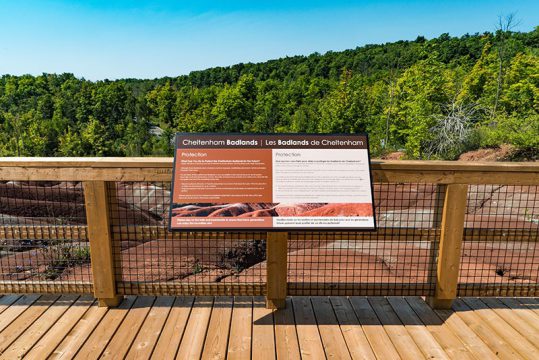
(433, 98)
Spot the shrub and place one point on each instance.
(520, 131)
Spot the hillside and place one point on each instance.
(432, 98)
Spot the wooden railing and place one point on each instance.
(451, 178)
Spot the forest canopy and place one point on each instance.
(430, 98)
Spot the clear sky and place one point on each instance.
(98, 39)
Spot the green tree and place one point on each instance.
(421, 93)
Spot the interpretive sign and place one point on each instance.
(271, 182)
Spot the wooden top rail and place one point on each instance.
(166, 162)
(160, 169)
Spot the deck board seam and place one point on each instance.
(138, 330)
(29, 325)
(55, 322)
(60, 317)
(94, 303)
(488, 326)
(339, 326)
(160, 332)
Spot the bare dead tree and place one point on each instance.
(503, 28)
(452, 130)
(391, 82)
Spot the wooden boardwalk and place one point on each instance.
(69, 326)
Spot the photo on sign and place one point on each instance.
(271, 209)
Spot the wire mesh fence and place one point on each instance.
(152, 258)
(43, 235)
(43, 243)
(397, 259)
(501, 253)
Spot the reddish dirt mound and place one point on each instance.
(397, 155)
(61, 203)
(497, 262)
(504, 152)
(403, 196)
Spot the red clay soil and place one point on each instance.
(500, 262)
(396, 155)
(403, 196)
(195, 260)
(339, 262)
(61, 203)
(501, 153)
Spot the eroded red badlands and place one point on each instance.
(322, 259)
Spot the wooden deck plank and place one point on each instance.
(195, 331)
(504, 329)
(497, 344)
(39, 327)
(358, 344)
(452, 345)
(398, 334)
(80, 332)
(7, 300)
(103, 332)
(215, 345)
(286, 337)
(24, 320)
(421, 335)
(150, 330)
(477, 347)
(511, 317)
(120, 343)
(332, 338)
(17, 308)
(525, 313)
(263, 330)
(239, 343)
(379, 340)
(530, 303)
(310, 342)
(46, 345)
(174, 328)
(56, 327)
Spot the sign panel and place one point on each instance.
(271, 182)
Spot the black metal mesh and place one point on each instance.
(43, 243)
(500, 252)
(43, 237)
(151, 258)
(397, 259)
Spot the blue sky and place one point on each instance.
(146, 39)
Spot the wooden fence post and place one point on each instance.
(452, 231)
(99, 234)
(276, 273)
(439, 199)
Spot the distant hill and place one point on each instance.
(430, 98)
